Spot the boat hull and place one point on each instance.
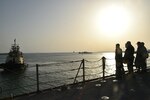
(9, 66)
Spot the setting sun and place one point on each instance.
(113, 20)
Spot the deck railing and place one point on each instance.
(54, 75)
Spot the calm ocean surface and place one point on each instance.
(56, 69)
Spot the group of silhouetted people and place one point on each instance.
(128, 58)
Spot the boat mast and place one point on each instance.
(15, 42)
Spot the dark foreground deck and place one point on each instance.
(135, 87)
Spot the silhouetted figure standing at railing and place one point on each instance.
(129, 56)
(144, 56)
(119, 62)
(138, 58)
(141, 56)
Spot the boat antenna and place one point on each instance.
(15, 41)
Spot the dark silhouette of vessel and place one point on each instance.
(14, 59)
(85, 52)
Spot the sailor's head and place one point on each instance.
(138, 43)
(127, 44)
(142, 43)
(117, 45)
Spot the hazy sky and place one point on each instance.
(73, 25)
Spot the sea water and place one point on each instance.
(55, 69)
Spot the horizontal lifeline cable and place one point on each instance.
(107, 66)
(19, 74)
(31, 65)
(94, 67)
(61, 71)
(52, 64)
(110, 65)
(108, 72)
(46, 82)
(12, 79)
(58, 79)
(110, 58)
(93, 61)
(23, 87)
(94, 74)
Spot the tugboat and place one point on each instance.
(15, 59)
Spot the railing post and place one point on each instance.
(78, 72)
(83, 61)
(37, 76)
(103, 68)
(0, 90)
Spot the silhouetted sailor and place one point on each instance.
(144, 56)
(129, 56)
(141, 56)
(119, 63)
(138, 58)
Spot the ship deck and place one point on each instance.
(132, 87)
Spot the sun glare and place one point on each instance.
(113, 20)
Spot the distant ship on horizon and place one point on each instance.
(85, 52)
